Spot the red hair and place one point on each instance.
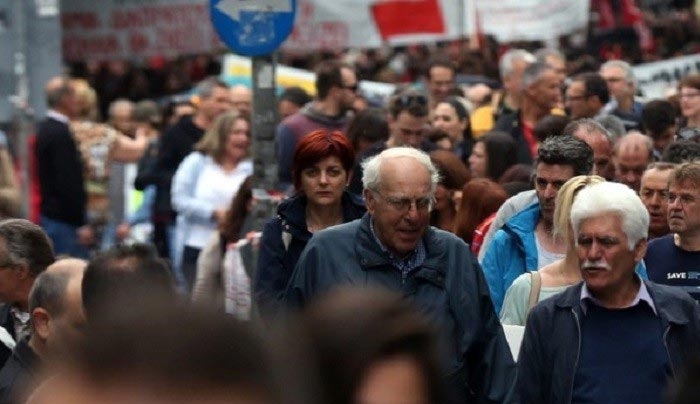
(480, 198)
(316, 146)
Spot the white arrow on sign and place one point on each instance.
(233, 8)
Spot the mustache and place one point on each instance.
(595, 264)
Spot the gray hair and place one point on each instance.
(206, 87)
(542, 54)
(626, 67)
(615, 198)
(507, 62)
(48, 292)
(371, 167)
(614, 126)
(587, 125)
(26, 244)
(533, 73)
(118, 104)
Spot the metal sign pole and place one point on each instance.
(264, 120)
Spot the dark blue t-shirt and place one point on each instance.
(668, 264)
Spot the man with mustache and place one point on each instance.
(613, 337)
(394, 247)
(675, 258)
(526, 243)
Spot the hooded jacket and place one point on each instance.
(283, 239)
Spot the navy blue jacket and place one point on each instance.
(448, 287)
(275, 260)
(550, 348)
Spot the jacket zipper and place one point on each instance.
(668, 353)
(578, 354)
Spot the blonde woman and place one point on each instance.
(205, 183)
(557, 276)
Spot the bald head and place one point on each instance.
(55, 304)
(60, 96)
(633, 153)
(242, 99)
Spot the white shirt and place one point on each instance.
(217, 188)
(545, 257)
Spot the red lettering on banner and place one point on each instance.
(325, 35)
(406, 17)
(78, 48)
(179, 40)
(87, 20)
(138, 42)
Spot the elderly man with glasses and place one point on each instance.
(394, 247)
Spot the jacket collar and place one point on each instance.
(292, 212)
(525, 221)
(371, 255)
(666, 303)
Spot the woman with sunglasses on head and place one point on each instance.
(321, 169)
(689, 95)
(452, 116)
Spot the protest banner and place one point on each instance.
(657, 78)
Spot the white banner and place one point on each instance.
(657, 78)
(136, 29)
(513, 20)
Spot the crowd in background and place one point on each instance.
(411, 241)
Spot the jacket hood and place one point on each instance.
(292, 212)
(336, 122)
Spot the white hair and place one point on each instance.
(371, 167)
(610, 197)
(629, 73)
(507, 62)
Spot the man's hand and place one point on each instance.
(85, 235)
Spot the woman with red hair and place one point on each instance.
(321, 170)
(481, 198)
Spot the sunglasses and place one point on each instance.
(408, 100)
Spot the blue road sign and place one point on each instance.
(253, 27)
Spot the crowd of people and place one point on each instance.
(411, 242)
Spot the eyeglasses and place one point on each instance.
(353, 87)
(688, 95)
(404, 204)
(408, 100)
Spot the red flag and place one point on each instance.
(406, 17)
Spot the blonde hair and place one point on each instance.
(87, 98)
(214, 140)
(565, 198)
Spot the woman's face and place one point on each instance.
(238, 140)
(324, 182)
(690, 102)
(478, 161)
(445, 117)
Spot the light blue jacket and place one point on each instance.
(513, 252)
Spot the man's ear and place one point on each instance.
(369, 200)
(41, 322)
(640, 250)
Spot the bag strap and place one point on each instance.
(536, 285)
